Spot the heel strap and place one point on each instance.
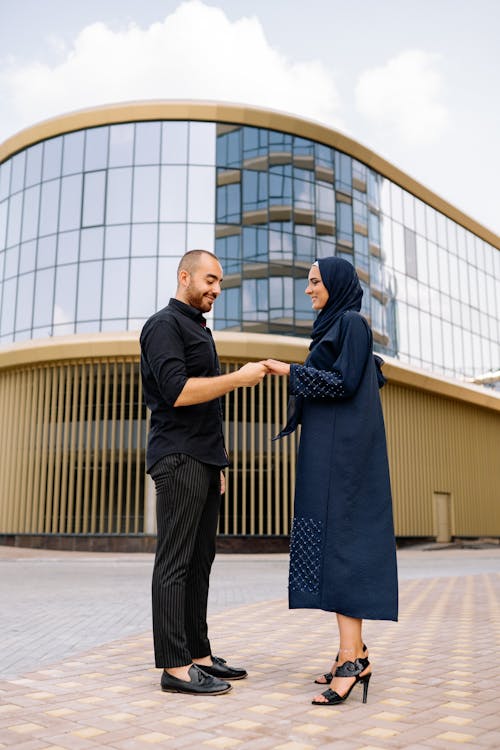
(352, 668)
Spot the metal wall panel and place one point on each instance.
(73, 435)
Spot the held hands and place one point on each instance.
(275, 367)
(253, 372)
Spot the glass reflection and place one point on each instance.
(268, 203)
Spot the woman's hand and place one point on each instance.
(275, 367)
(222, 483)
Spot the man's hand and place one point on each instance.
(222, 483)
(275, 367)
(252, 373)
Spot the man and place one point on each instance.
(185, 457)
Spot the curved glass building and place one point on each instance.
(97, 207)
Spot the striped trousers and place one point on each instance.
(187, 508)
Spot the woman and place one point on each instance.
(342, 551)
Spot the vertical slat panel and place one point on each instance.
(94, 524)
(244, 449)
(268, 454)
(235, 467)
(121, 441)
(43, 515)
(251, 459)
(71, 527)
(10, 454)
(104, 451)
(56, 442)
(87, 466)
(23, 462)
(64, 521)
(50, 457)
(227, 438)
(30, 469)
(286, 459)
(58, 432)
(112, 458)
(37, 523)
(262, 457)
(80, 450)
(4, 425)
(276, 464)
(139, 469)
(129, 423)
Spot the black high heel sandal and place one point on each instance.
(329, 675)
(348, 669)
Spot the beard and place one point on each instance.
(200, 300)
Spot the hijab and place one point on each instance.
(345, 293)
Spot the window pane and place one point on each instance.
(174, 143)
(91, 242)
(172, 239)
(200, 236)
(8, 306)
(3, 223)
(93, 199)
(67, 248)
(71, 202)
(5, 170)
(24, 306)
(64, 307)
(117, 242)
(46, 252)
(73, 152)
(34, 164)
(17, 177)
(146, 187)
(27, 260)
(147, 143)
(173, 194)
(96, 148)
(201, 194)
(11, 262)
(52, 153)
(142, 287)
(49, 207)
(167, 280)
(144, 239)
(30, 212)
(201, 143)
(14, 221)
(115, 289)
(121, 145)
(119, 196)
(89, 291)
(44, 291)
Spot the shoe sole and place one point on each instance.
(195, 692)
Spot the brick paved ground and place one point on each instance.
(435, 683)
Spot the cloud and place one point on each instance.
(404, 95)
(196, 52)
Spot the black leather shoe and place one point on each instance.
(201, 683)
(221, 669)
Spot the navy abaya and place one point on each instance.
(342, 548)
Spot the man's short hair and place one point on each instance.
(190, 260)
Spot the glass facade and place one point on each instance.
(93, 223)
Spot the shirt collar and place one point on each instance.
(191, 312)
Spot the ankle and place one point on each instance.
(350, 653)
(182, 673)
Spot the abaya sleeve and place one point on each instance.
(341, 380)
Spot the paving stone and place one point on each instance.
(107, 695)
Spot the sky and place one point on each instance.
(416, 81)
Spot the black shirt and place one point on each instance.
(177, 345)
